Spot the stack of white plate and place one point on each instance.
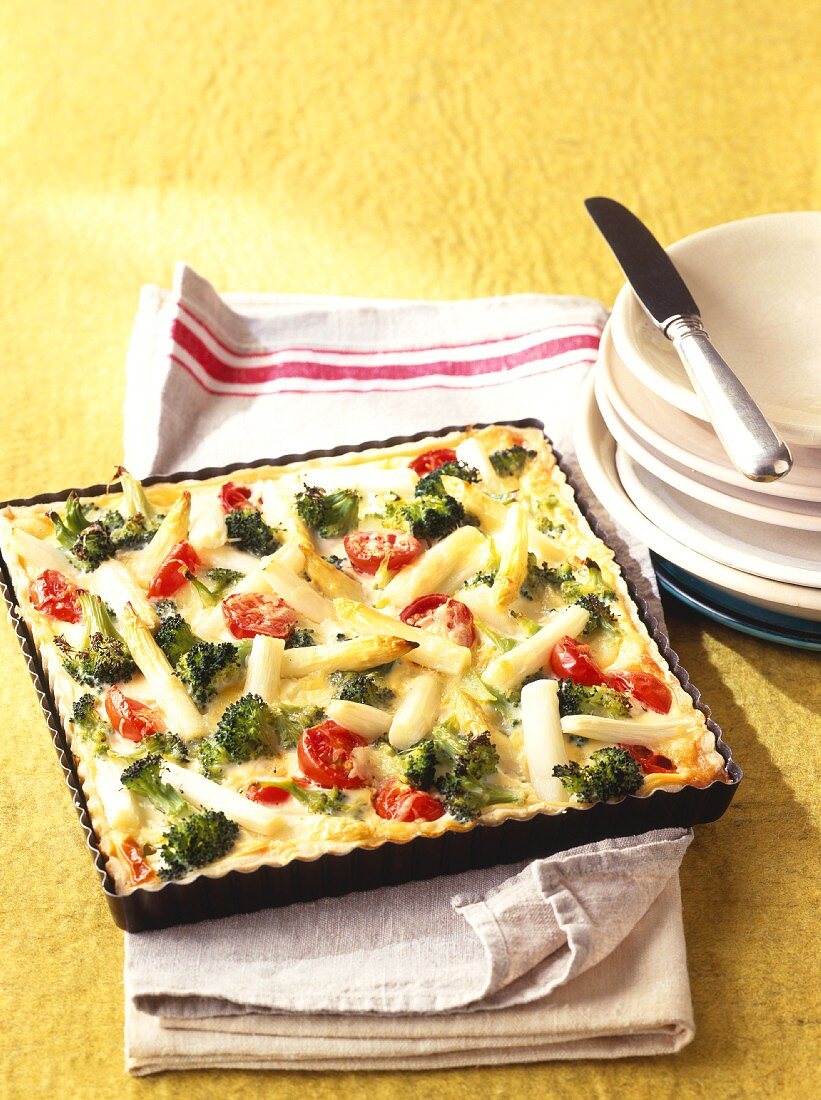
(745, 553)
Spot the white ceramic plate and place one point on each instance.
(777, 511)
(756, 283)
(596, 453)
(691, 442)
(773, 552)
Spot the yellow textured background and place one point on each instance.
(422, 148)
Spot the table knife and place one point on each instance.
(751, 443)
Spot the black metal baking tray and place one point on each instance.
(424, 857)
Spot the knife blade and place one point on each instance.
(646, 266)
(749, 439)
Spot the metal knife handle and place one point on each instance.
(749, 439)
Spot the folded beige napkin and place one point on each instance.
(551, 962)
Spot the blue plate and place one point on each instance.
(735, 613)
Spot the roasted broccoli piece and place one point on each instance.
(143, 778)
(601, 617)
(317, 801)
(601, 701)
(137, 523)
(541, 576)
(329, 514)
(245, 731)
(426, 517)
(466, 798)
(88, 543)
(431, 484)
(481, 578)
(175, 637)
(419, 764)
(249, 532)
(88, 723)
(299, 638)
(166, 744)
(103, 657)
(362, 687)
(474, 757)
(611, 773)
(511, 461)
(587, 581)
(195, 841)
(222, 580)
(291, 720)
(207, 668)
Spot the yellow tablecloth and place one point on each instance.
(429, 148)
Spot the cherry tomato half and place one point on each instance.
(648, 760)
(645, 688)
(443, 615)
(250, 613)
(131, 718)
(266, 794)
(368, 549)
(133, 853)
(234, 496)
(324, 754)
(396, 802)
(56, 596)
(573, 659)
(171, 575)
(431, 460)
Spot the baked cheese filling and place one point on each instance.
(300, 660)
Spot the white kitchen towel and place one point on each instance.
(213, 380)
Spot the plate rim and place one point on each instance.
(625, 513)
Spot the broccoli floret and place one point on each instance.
(329, 514)
(587, 581)
(222, 579)
(245, 731)
(611, 773)
(317, 801)
(431, 484)
(290, 721)
(92, 547)
(196, 841)
(362, 687)
(90, 726)
(474, 756)
(103, 657)
(419, 764)
(165, 608)
(166, 744)
(604, 702)
(601, 617)
(249, 532)
(426, 517)
(465, 798)
(207, 668)
(175, 638)
(127, 534)
(511, 461)
(300, 638)
(541, 576)
(143, 778)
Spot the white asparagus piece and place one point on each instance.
(613, 730)
(177, 706)
(207, 528)
(353, 656)
(297, 593)
(113, 583)
(209, 795)
(417, 712)
(443, 568)
(264, 667)
(173, 529)
(331, 582)
(506, 672)
(543, 741)
(36, 555)
(368, 722)
(475, 502)
(512, 546)
(119, 805)
(432, 650)
(474, 454)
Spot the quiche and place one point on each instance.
(298, 660)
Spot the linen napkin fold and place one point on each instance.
(211, 380)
